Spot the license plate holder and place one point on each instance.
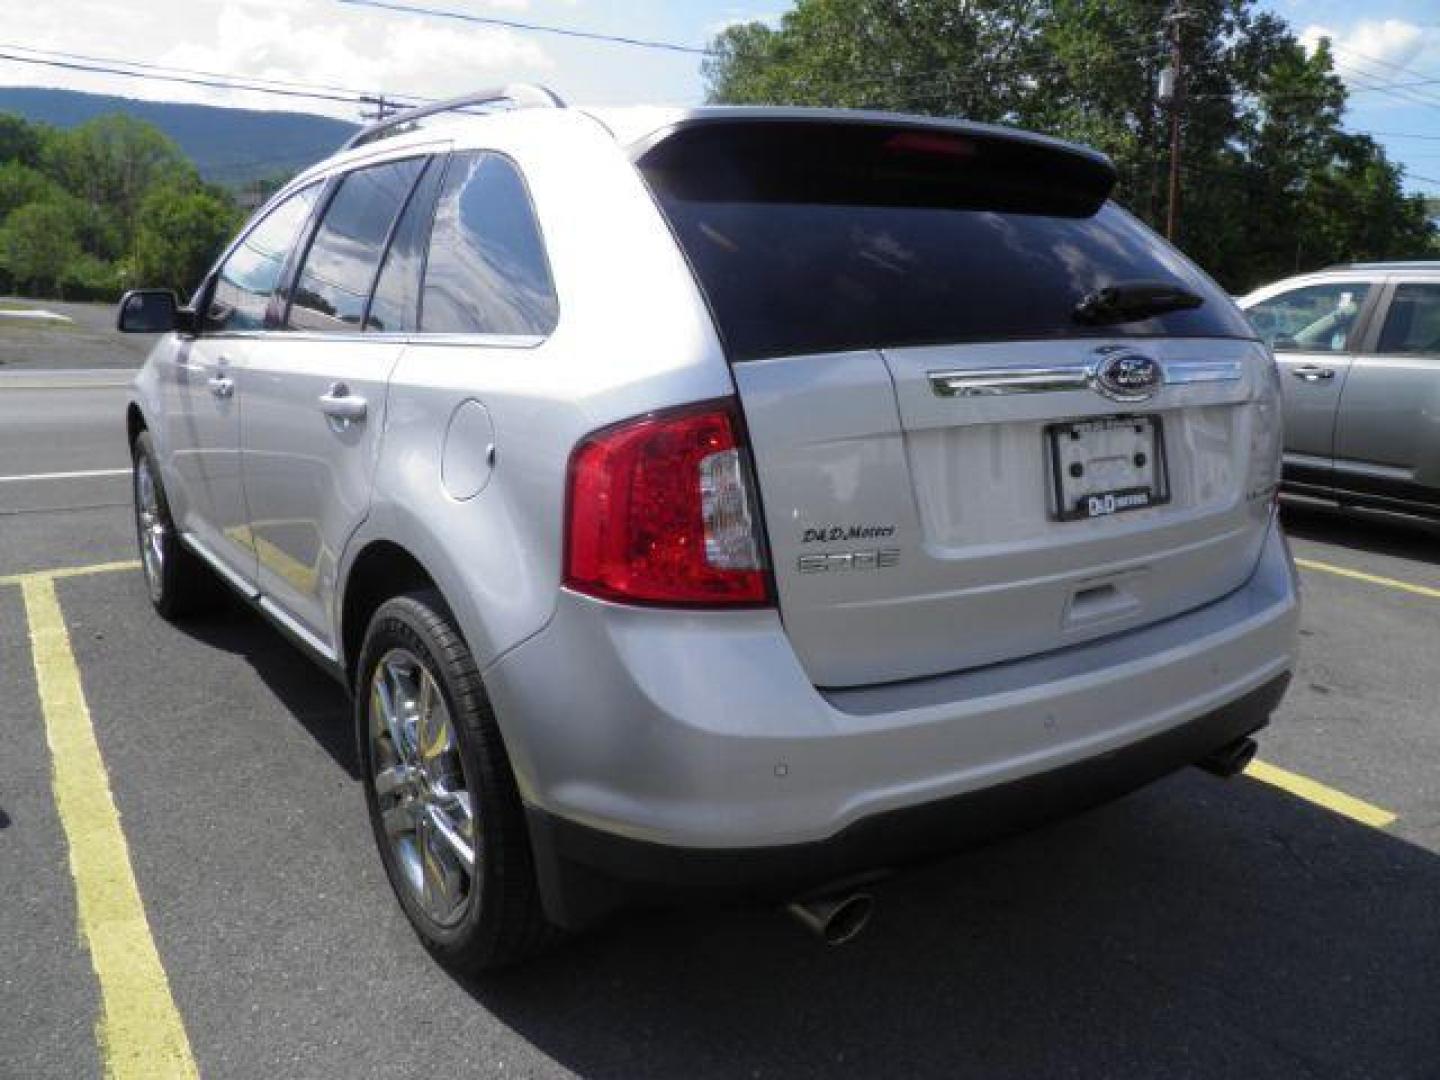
(1106, 465)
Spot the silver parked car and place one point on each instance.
(1360, 349)
(721, 503)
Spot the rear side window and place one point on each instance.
(250, 273)
(344, 257)
(395, 307)
(1412, 326)
(486, 272)
(810, 237)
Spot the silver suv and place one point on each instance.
(721, 503)
(1360, 346)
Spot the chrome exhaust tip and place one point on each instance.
(1230, 760)
(834, 919)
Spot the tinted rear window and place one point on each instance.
(813, 238)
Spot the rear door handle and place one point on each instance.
(222, 386)
(339, 404)
(1313, 372)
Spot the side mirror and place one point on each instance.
(1284, 344)
(153, 311)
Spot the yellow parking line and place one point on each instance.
(140, 1031)
(1317, 793)
(69, 572)
(1373, 579)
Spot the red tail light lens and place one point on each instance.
(662, 510)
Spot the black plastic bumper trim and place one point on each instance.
(586, 873)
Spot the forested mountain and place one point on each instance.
(229, 146)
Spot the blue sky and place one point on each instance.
(1386, 41)
(1379, 44)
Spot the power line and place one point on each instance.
(1430, 81)
(329, 92)
(90, 58)
(534, 28)
(1391, 88)
(221, 83)
(1408, 97)
(1378, 60)
(1398, 135)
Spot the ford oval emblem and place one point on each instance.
(1122, 375)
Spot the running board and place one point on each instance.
(310, 642)
(230, 577)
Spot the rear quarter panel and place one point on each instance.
(633, 335)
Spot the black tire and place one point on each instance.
(501, 922)
(182, 585)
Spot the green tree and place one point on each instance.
(19, 141)
(87, 278)
(84, 210)
(943, 58)
(37, 243)
(111, 162)
(1270, 181)
(21, 184)
(180, 230)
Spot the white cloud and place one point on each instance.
(1371, 50)
(362, 49)
(312, 42)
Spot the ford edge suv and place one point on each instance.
(723, 502)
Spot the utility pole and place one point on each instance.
(1172, 89)
(381, 108)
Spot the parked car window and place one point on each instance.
(1412, 325)
(1315, 318)
(486, 272)
(246, 280)
(395, 307)
(343, 259)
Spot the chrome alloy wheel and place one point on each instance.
(150, 527)
(424, 801)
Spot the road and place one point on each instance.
(1198, 928)
(86, 338)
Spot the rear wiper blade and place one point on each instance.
(1130, 301)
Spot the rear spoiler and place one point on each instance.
(880, 159)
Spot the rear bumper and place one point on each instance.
(585, 872)
(663, 750)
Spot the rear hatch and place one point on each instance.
(956, 469)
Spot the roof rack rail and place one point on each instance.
(519, 95)
(1391, 264)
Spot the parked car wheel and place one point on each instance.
(178, 582)
(442, 797)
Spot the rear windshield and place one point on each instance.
(810, 238)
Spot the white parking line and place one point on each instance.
(63, 475)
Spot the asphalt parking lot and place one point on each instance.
(1283, 924)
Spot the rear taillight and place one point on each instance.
(1266, 439)
(662, 510)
